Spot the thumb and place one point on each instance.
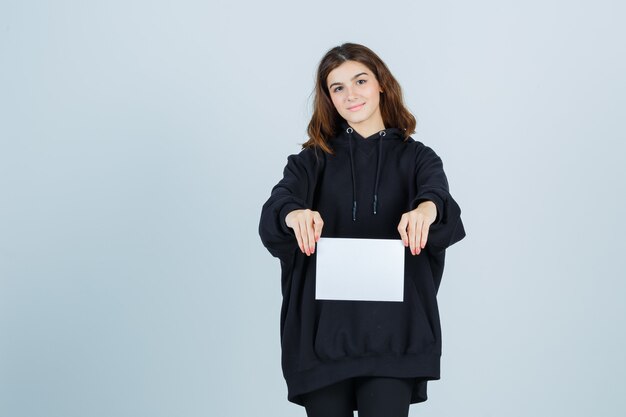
(318, 223)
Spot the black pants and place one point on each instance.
(374, 396)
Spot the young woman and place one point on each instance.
(360, 175)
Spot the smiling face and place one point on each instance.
(355, 93)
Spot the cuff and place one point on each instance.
(430, 197)
(284, 211)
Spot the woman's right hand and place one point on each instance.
(307, 226)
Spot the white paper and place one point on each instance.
(359, 269)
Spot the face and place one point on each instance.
(355, 92)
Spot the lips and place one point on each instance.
(357, 107)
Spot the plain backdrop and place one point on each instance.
(139, 140)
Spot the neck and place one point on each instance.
(367, 128)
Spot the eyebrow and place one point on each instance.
(359, 74)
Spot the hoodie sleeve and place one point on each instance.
(293, 191)
(432, 185)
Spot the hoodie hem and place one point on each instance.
(423, 367)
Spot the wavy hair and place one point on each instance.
(326, 119)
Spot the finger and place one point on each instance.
(418, 234)
(305, 235)
(425, 228)
(402, 230)
(296, 230)
(411, 230)
(318, 224)
(310, 234)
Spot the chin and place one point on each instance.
(356, 120)
(353, 118)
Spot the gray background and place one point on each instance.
(139, 139)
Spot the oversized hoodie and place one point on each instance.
(360, 192)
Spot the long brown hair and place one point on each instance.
(326, 120)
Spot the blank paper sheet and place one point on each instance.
(359, 269)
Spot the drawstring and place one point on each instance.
(350, 130)
(380, 154)
(382, 133)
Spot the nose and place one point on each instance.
(351, 94)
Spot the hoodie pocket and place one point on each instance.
(373, 328)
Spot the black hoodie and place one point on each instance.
(360, 192)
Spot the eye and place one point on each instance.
(336, 89)
(361, 81)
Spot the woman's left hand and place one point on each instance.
(417, 222)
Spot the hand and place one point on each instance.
(417, 222)
(307, 226)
